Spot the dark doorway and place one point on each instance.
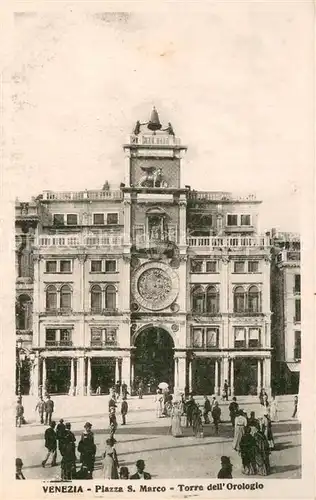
(58, 375)
(102, 374)
(154, 358)
(203, 376)
(245, 376)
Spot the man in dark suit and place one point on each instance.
(140, 474)
(124, 410)
(49, 410)
(50, 444)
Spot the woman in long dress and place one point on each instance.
(247, 452)
(274, 410)
(110, 461)
(267, 430)
(240, 426)
(159, 403)
(176, 429)
(262, 452)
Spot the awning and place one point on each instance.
(294, 367)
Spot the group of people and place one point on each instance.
(44, 408)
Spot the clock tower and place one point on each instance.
(155, 241)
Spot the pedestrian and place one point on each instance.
(247, 452)
(261, 396)
(216, 415)
(240, 425)
(226, 469)
(112, 422)
(117, 388)
(124, 390)
(159, 403)
(262, 452)
(233, 409)
(49, 410)
(50, 444)
(140, 390)
(124, 473)
(267, 430)
(18, 469)
(197, 423)
(112, 402)
(190, 404)
(176, 429)
(110, 461)
(70, 438)
(207, 409)
(140, 474)
(60, 434)
(274, 410)
(40, 407)
(295, 406)
(88, 431)
(98, 390)
(19, 413)
(67, 461)
(253, 422)
(225, 391)
(124, 410)
(87, 450)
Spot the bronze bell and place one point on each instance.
(154, 123)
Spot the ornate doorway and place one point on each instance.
(153, 359)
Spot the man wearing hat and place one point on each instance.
(140, 474)
(87, 450)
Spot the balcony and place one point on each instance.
(58, 343)
(219, 242)
(104, 312)
(110, 194)
(99, 343)
(64, 311)
(77, 240)
(205, 196)
(248, 313)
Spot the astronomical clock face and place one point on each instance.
(155, 286)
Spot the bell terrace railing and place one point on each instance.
(78, 240)
(229, 242)
(220, 196)
(111, 194)
(153, 140)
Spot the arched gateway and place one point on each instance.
(153, 357)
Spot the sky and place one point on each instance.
(235, 81)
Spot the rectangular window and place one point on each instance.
(65, 266)
(65, 337)
(211, 337)
(239, 266)
(211, 266)
(245, 220)
(297, 348)
(58, 219)
(72, 219)
(172, 232)
(254, 337)
(196, 266)
(51, 266)
(110, 335)
(197, 340)
(110, 266)
(112, 218)
(50, 337)
(96, 266)
(232, 220)
(253, 266)
(139, 235)
(240, 338)
(98, 219)
(297, 310)
(297, 283)
(96, 336)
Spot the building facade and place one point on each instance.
(286, 307)
(149, 282)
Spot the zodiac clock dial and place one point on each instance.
(155, 286)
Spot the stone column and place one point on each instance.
(232, 382)
(72, 377)
(126, 372)
(181, 373)
(267, 375)
(89, 377)
(132, 373)
(259, 381)
(117, 370)
(182, 220)
(190, 375)
(44, 374)
(127, 167)
(176, 375)
(225, 370)
(216, 385)
(35, 377)
(81, 376)
(127, 219)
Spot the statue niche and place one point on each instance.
(153, 178)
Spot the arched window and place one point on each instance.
(239, 300)
(51, 298)
(110, 297)
(212, 300)
(65, 297)
(253, 299)
(198, 301)
(96, 298)
(24, 313)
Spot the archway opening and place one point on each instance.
(153, 359)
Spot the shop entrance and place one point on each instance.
(245, 376)
(58, 375)
(102, 374)
(153, 359)
(203, 376)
